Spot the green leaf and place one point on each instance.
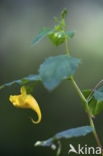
(44, 32)
(99, 107)
(57, 38)
(98, 94)
(91, 103)
(64, 13)
(23, 81)
(95, 103)
(56, 20)
(58, 28)
(67, 134)
(57, 68)
(70, 34)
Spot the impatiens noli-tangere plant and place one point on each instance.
(51, 73)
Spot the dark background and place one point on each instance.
(61, 109)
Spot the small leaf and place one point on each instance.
(91, 103)
(67, 134)
(57, 68)
(95, 103)
(64, 13)
(57, 38)
(98, 94)
(56, 20)
(44, 143)
(58, 28)
(23, 81)
(70, 34)
(44, 32)
(99, 107)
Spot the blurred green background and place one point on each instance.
(61, 109)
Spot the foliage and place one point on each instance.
(96, 100)
(50, 70)
(51, 73)
(22, 81)
(67, 134)
(44, 32)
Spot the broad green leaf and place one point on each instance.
(64, 13)
(57, 68)
(44, 32)
(70, 34)
(67, 134)
(23, 81)
(74, 132)
(95, 104)
(57, 38)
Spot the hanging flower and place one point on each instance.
(25, 100)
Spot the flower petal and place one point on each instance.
(25, 100)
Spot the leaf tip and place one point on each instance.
(64, 13)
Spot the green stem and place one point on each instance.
(89, 113)
(85, 101)
(66, 42)
(67, 49)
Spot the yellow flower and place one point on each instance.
(25, 100)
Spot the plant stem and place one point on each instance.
(86, 103)
(89, 113)
(66, 41)
(93, 90)
(67, 49)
